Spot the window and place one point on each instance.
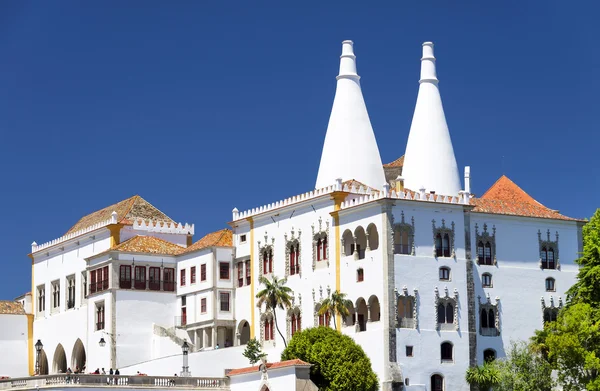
(360, 275)
(321, 247)
(486, 280)
(99, 280)
(169, 279)
(409, 351)
(243, 238)
(203, 305)
(100, 315)
(324, 319)
(489, 355)
(184, 301)
(248, 275)
(445, 313)
(56, 295)
(154, 279)
(406, 314)
(550, 287)
(444, 274)
(267, 261)
(240, 274)
(224, 270)
(269, 332)
(125, 277)
(443, 240)
(71, 292)
(402, 244)
(140, 277)
(41, 296)
(84, 289)
(446, 352)
(487, 322)
(224, 301)
(183, 316)
(203, 272)
(296, 323)
(550, 315)
(294, 258)
(182, 277)
(547, 255)
(193, 275)
(437, 383)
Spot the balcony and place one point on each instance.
(96, 381)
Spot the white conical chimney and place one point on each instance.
(429, 160)
(350, 150)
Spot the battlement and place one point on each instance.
(163, 227)
(368, 196)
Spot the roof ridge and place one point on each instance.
(134, 199)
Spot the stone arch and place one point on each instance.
(362, 314)
(374, 309)
(43, 364)
(244, 332)
(350, 319)
(489, 355)
(360, 243)
(78, 357)
(447, 351)
(437, 382)
(59, 363)
(347, 242)
(372, 237)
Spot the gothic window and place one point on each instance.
(550, 284)
(265, 253)
(444, 273)
(404, 237)
(486, 280)
(71, 292)
(321, 244)
(548, 251)
(550, 315)
(437, 383)
(406, 311)
(443, 240)
(267, 329)
(360, 275)
(445, 313)
(489, 355)
(294, 321)
(447, 352)
(267, 258)
(100, 315)
(489, 320)
(269, 333)
(41, 297)
(56, 295)
(486, 245)
(446, 310)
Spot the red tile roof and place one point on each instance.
(506, 198)
(11, 308)
(148, 245)
(221, 238)
(396, 163)
(275, 365)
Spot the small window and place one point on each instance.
(183, 301)
(486, 280)
(240, 274)
(41, 296)
(56, 295)
(224, 270)
(406, 382)
(243, 238)
(182, 277)
(100, 315)
(203, 305)
(224, 301)
(446, 352)
(360, 275)
(550, 287)
(71, 292)
(489, 355)
(193, 275)
(444, 274)
(203, 272)
(409, 351)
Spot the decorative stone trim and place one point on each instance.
(552, 306)
(321, 234)
(402, 226)
(489, 306)
(548, 243)
(293, 241)
(264, 316)
(445, 300)
(405, 296)
(444, 230)
(294, 310)
(261, 250)
(484, 238)
(317, 305)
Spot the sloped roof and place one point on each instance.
(127, 211)
(396, 163)
(507, 198)
(148, 245)
(221, 238)
(11, 308)
(275, 365)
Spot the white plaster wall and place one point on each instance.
(97, 356)
(14, 361)
(279, 379)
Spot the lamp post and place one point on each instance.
(185, 348)
(113, 347)
(38, 349)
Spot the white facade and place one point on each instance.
(14, 345)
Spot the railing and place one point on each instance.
(489, 331)
(98, 286)
(48, 381)
(139, 284)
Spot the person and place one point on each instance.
(216, 347)
(103, 371)
(117, 373)
(69, 372)
(97, 371)
(77, 369)
(110, 372)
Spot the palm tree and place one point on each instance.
(483, 377)
(275, 295)
(337, 303)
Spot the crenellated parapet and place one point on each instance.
(163, 227)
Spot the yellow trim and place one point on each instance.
(30, 347)
(338, 198)
(252, 307)
(115, 234)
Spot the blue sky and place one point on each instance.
(204, 106)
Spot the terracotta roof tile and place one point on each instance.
(505, 197)
(357, 184)
(221, 238)
(275, 365)
(127, 210)
(11, 308)
(148, 245)
(396, 163)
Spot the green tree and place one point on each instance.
(484, 376)
(339, 364)
(275, 295)
(336, 303)
(253, 351)
(523, 369)
(587, 287)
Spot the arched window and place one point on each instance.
(449, 313)
(446, 245)
(480, 252)
(544, 256)
(267, 261)
(406, 312)
(484, 319)
(446, 352)
(269, 332)
(550, 284)
(319, 249)
(446, 313)
(489, 355)
(402, 243)
(491, 319)
(324, 248)
(296, 323)
(441, 313)
(293, 258)
(551, 258)
(486, 280)
(438, 245)
(360, 275)
(487, 254)
(324, 319)
(444, 273)
(437, 383)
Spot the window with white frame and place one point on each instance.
(71, 292)
(100, 315)
(486, 280)
(444, 273)
(55, 295)
(41, 298)
(550, 284)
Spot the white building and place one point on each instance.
(439, 279)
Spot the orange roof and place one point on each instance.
(11, 308)
(222, 238)
(396, 163)
(505, 197)
(148, 245)
(127, 210)
(275, 365)
(357, 184)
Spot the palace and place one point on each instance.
(438, 278)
